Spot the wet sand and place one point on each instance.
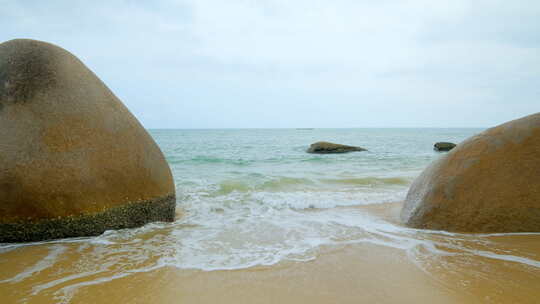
(355, 273)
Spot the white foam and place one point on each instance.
(64, 295)
(50, 259)
(505, 257)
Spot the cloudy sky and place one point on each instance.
(301, 63)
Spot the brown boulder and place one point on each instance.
(73, 160)
(323, 147)
(488, 183)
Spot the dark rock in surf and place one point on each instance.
(488, 183)
(74, 161)
(324, 147)
(444, 146)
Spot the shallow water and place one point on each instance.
(253, 199)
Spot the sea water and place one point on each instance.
(245, 193)
(252, 197)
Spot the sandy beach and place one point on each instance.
(355, 273)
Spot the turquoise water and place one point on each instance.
(271, 168)
(245, 194)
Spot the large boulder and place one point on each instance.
(323, 147)
(73, 160)
(489, 183)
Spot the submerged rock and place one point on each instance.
(489, 183)
(323, 147)
(73, 160)
(444, 146)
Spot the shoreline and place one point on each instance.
(346, 273)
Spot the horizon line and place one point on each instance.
(305, 128)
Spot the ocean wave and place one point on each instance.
(317, 159)
(276, 184)
(371, 181)
(233, 159)
(201, 160)
(284, 184)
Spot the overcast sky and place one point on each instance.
(301, 63)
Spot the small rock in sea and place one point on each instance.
(74, 160)
(489, 183)
(323, 147)
(444, 146)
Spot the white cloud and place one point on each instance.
(277, 63)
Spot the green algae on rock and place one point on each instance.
(74, 160)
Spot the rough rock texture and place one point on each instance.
(323, 147)
(73, 160)
(444, 146)
(489, 183)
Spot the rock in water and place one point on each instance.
(73, 160)
(489, 183)
(444, 146)
(323, 147)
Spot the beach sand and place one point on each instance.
(354, 273)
